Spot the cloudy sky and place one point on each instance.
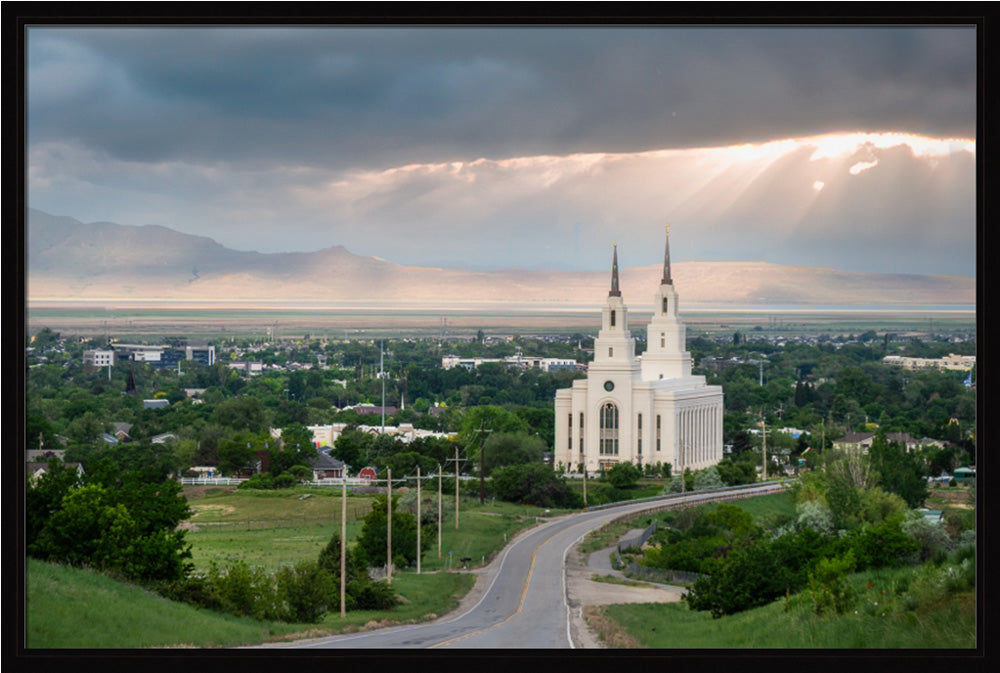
(501, 148)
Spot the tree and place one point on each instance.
(372, 542)
(238, 454)
(353, 447)
(533, 484)
(296, 448)
(623, 475)
(511, 448)
(91, 529)
(898, 471)
(242, 413)
(43, 496)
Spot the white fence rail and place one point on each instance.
(227, 481)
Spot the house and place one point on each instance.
(43, 455)
(155, 404)
(908, 443)
(932, 515)
(965, 474)
(121, 431)
(854, 441)
(163, 438)
(324, 466)
(35, 470)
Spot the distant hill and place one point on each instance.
(101, 261)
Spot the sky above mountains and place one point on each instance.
(847, 148)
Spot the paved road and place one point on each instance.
(524, 605)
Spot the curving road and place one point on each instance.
(525, 603)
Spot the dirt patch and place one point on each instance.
(611, 635)
(202, 491)
(202, 509)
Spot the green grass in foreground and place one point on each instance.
(915, 612)
(74, 608)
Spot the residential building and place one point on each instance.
(99, 358)
(951, 362)
(519, 360)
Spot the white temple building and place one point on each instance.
(646, 409)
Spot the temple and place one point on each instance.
(645, 409)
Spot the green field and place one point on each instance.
(274, 528)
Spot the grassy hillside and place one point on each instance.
(906, 608)
(74, 608)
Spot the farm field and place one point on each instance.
(274, 528)
(449, 321)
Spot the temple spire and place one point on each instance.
(615, 292)
(666, 261)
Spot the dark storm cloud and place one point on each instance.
(378, 97)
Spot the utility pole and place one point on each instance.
(419, 552)
(680, 459)
(343, 546)
(381, 374)
(388, 526)
(482, 464)
(456, 487)
(439, 509)
(763, 435)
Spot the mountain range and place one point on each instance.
(72, 261)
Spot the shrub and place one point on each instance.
(533, 484)
(262, 481)
(707, 478)
(623, 475)
(829, 586)
(747, 578)
(304, 592)
(931, 537)
(882, 546)
(814, 515)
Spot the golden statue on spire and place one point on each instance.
(667, 227)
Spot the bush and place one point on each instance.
(304, 592)
(881, 546)
(243, 591)
(829, 585)
(931, 537)
(814, 515)
(533, 484)
(262, 481)
(747, 578)
(707, 478)
(266, 481)
(623, 475)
